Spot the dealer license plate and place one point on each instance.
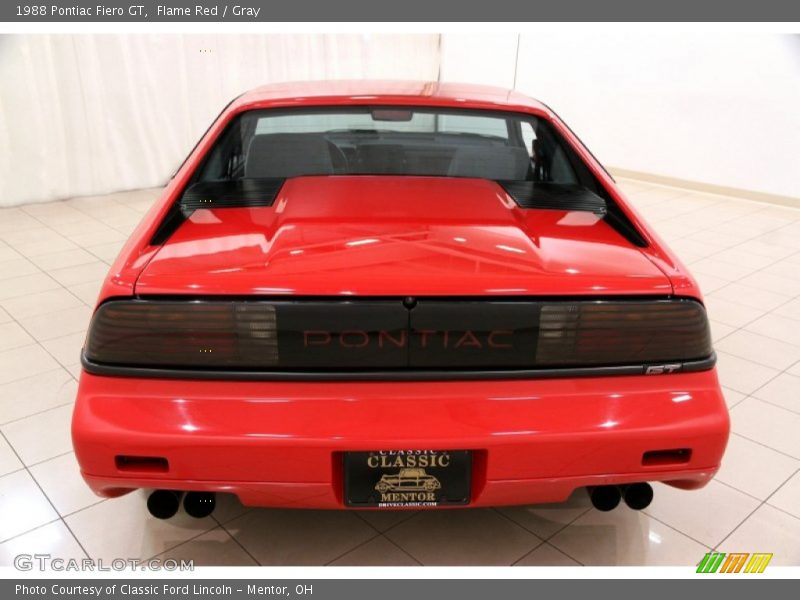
(401, 478)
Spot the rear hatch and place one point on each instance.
(398, 237)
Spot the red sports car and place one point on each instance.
(347, 283)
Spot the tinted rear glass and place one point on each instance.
(389, 141)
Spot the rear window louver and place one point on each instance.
(532, 194)
(235, 193)
(231, 194)
(569, 197)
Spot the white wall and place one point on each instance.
(487, 59)
(92, 114)
(722, 109)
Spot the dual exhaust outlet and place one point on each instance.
(164, 504)
(607, 497)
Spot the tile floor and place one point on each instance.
(746, 256)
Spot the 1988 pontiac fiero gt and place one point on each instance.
(393, 295)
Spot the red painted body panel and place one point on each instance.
(137, 252)
(279, 443)
(398, 236)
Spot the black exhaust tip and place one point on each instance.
(604, 497)
(638, 495)
(199, 504)
(163, 504)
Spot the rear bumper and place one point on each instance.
(281, 443)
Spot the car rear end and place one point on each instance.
(458, 291)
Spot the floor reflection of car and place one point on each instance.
(414, 480)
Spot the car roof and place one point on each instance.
(344, 92)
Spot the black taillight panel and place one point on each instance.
(184, 334)
(623, 332)
(388, 334)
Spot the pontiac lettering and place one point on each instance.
(425, 338)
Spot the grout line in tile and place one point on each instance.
(500, 513)
(46, 272)
(46, 497)
(37, 342)
(17, 535)
(751, 396)
(761, 503)
(717, 224)
(532, 550)
(766, 383)
(403, 550)
(762, 444)
(235, 539)
(778, 508)
(374, 537)
(797, 412)
(237, 542)
(38, 412)
(55, 456)
(565, 554)
(736, 489)
(42, 346)
(411, 515)
(95, 503)
(545, 538)
(683, 533)
(548, 544)
(665, 524)
(194, 537)
(83, 508)
(778, 374)
(712, 227)
(16, 470)
(525, 553)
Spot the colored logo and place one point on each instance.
(734, 562)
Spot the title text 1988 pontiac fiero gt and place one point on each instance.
(380, 295)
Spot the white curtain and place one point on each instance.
(92, 114)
